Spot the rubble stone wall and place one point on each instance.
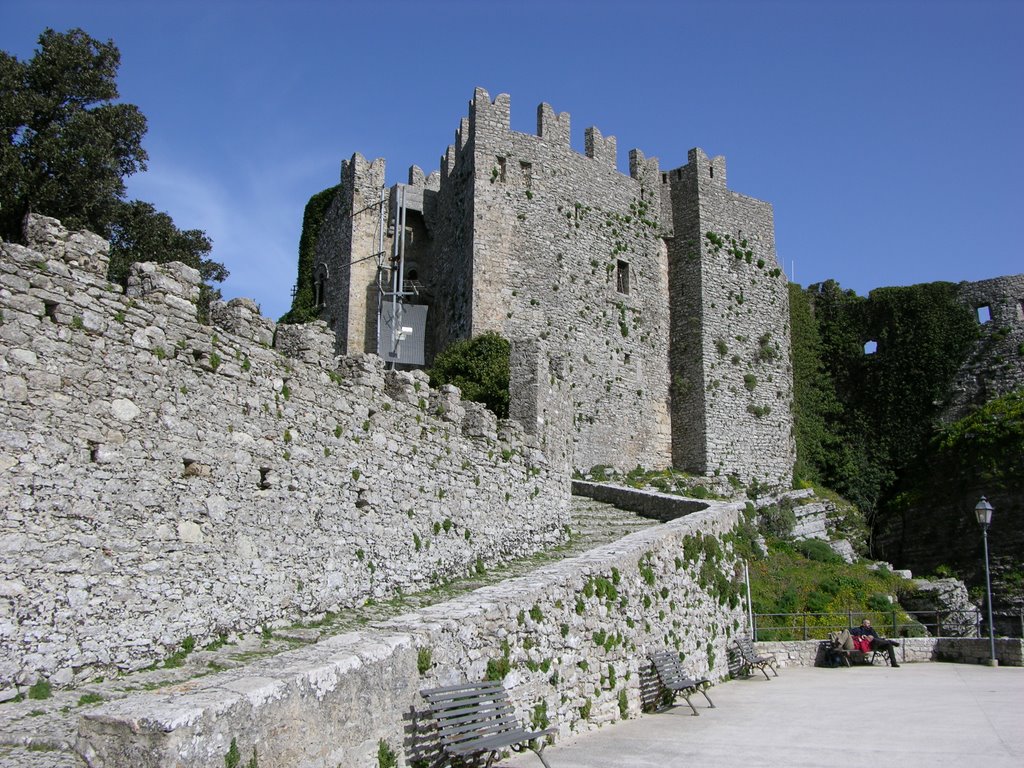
(570, 642)
(161, 478)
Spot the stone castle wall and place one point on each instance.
(996, 366)
(160, 478)
(568, 250)
(522, 235)
(569, 641)
(730, 357)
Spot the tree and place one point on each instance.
(139, 232)
(67, 148)
(479, 367)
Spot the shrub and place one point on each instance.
(818, 550)
(479, 367)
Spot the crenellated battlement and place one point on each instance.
(614, 278)
(553, 128)
(598, 147)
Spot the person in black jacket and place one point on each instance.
(877, 643)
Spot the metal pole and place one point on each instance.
(988, 592)
(750, 602)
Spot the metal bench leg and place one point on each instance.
(686, 696)
(704, 691)
(538, 752)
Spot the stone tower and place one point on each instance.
(651, 303)
(730, 351)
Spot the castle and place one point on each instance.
(653, 304)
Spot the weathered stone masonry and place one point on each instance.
(672, 348)
(161, 478)
(570, 641)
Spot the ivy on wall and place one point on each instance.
(862, 418)
(303, 308)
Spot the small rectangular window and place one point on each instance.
(501, 169)
(984, 314)
(622, 276)
(527, 171)
(870, 347)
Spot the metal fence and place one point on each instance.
(896, 623)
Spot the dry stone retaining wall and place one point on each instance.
(570, 642)
(161, 478)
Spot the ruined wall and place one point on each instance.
(996, 365)
(730, 358)
(160, 478)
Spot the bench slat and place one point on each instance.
(477, 719)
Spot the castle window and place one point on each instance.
(711, 171)
(622, 276)
(664, 178)
(320, 286)
(984, 314)
(501, 169)
(527, 171)
(870, 347)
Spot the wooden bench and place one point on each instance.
(674, 679)
(476, 720)
(751, 659)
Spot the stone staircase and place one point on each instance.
(40, 733)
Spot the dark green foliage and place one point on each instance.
(987, 446)
(817, 550)
(778, 519)
(233, 756)
(67, 146)
(816, 407)
(479, 367)
(887, 401)
(139, 232)
(386, 757)
(304, 307)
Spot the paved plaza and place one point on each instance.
(929, 715)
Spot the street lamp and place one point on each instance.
(983, 513)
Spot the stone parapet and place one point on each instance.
(570, 642)
(163, 479)
(652, 504)
(961, 650)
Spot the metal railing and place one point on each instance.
(895, 623)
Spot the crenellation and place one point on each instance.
(528, 238)
(553, 128)
(598, 147)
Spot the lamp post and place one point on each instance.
(983, 513)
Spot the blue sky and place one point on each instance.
(889, 136)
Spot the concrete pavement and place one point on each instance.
(928, 715)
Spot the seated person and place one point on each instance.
(877, 643)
